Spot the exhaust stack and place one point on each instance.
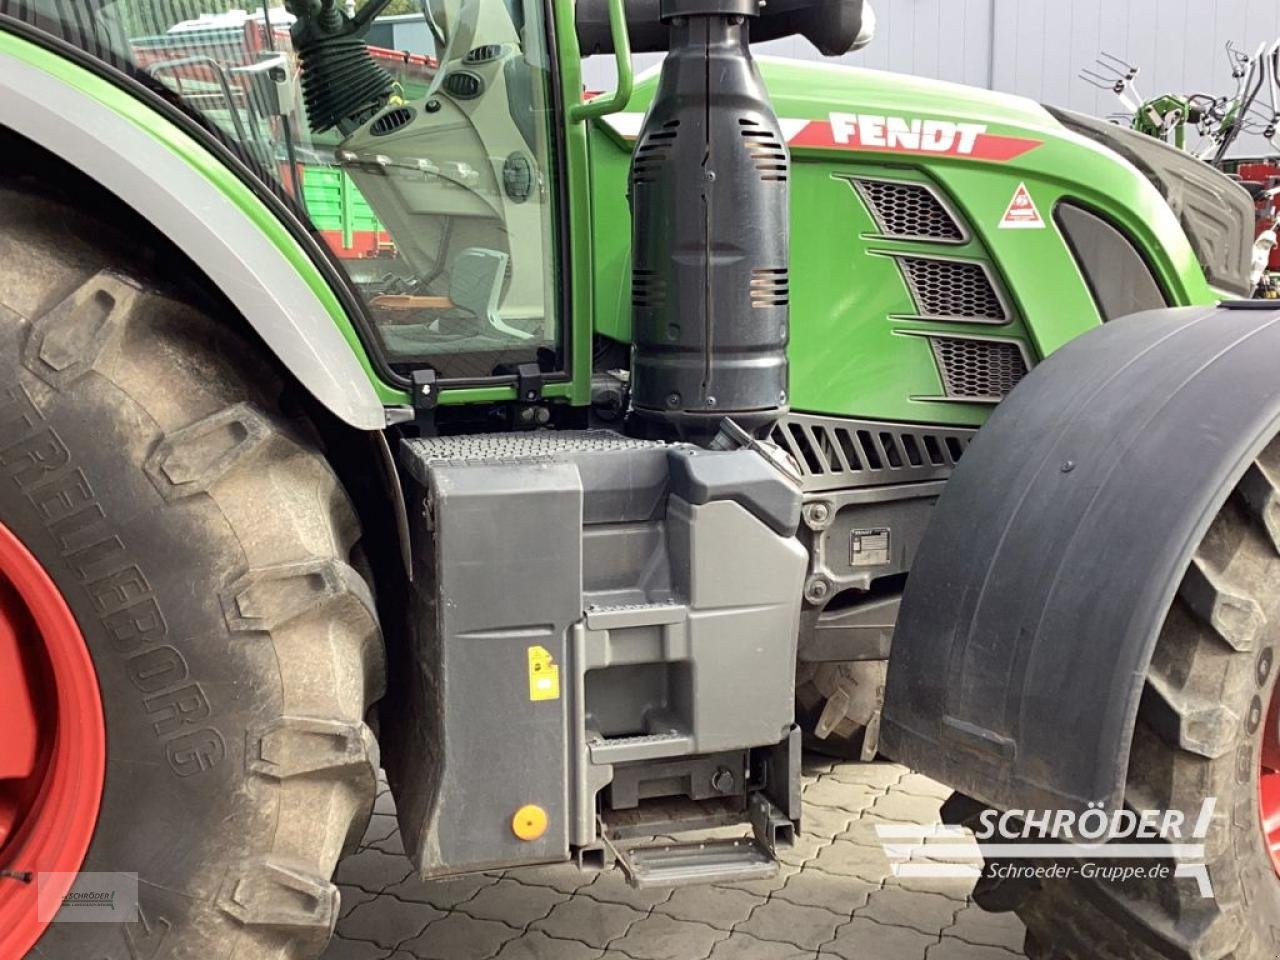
(709, 197)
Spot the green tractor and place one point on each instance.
(567, 456)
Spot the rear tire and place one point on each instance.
(1199, 734)
(204, 546)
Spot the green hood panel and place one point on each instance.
(859, 344)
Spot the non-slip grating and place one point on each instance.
(909, 211)
(838, 453)
(953, 290)
(984, 370)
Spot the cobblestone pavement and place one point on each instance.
(833, 899)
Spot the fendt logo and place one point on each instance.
(917, 135)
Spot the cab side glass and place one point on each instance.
(416, 139)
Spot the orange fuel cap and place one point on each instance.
(529, 823)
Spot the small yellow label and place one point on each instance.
(544, 675)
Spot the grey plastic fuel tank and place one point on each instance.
(590, 609)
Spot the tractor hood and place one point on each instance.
(1168, 201)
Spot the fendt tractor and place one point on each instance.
(565, 456)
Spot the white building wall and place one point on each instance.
(1037, 48)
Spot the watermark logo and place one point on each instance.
(1116, 846)
(87, 897)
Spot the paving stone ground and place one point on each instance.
(834, 898)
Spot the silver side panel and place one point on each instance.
(222, 241)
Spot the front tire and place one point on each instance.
(1201, 731)
(204, 546)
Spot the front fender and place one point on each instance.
(163, 175)
(1040, 587)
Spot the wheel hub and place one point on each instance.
(52, 751)
(1269, 779)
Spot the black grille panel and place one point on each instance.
(983, 370)
(653, 152)
(909, 211)
(835, 453)
(648, 289)
(953, 290)
(767, 152)
(770, 287)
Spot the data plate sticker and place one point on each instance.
(869, 547)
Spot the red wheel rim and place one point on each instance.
(52, 748)
(1269, 779)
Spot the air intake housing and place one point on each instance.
(709, 197)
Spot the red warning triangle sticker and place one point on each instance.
(1022, 213)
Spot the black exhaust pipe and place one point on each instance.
(709, 200)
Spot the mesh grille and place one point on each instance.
(910, 210)
(978, 369)
(955, 289)
(837, 453)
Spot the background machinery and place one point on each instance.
(599, 465)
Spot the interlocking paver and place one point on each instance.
(814, 888)
(720, 907)
(384, 804)
(459, 937)
(743, 947)
(957, 888)
(595, 923)
(558, 912)
(911, 807)
(826, 822)
(918, 783)
(513, 903)
(612, 887)
(387, 921)
(949, 948)
(536, 945)
(862, 939)
(848, 859)
(878, 775)
(803, 850)
(372, 870)
(441, 894)
(565, 877)
(854, 798)
(975, 925)
(762, 888)
(342, 949)
(659, 937)
(352, 897)
(785, 922)
(927, 912)
(381, 827)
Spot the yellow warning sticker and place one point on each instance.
(544, 675)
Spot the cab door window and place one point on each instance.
(426, 166)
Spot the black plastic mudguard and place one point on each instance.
(1040, 587)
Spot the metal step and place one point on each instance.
(651, 746)
(681, 864)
